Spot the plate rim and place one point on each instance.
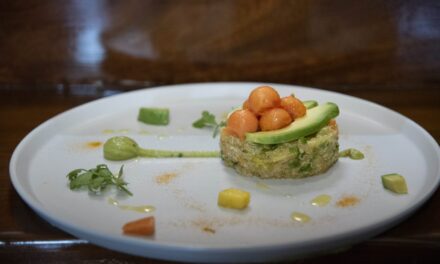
(35, 205)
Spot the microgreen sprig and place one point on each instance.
(97, 179)
(208, 120)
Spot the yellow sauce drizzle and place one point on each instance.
(209, 229)
(300, 217)
(321, 200)
(139, 209)
(112, 131)
(263, 186)
(108, 131)
(144, 132)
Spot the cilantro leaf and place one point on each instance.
(217, 128)
(208, 120)
(96, 179)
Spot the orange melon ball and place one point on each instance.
(293, 106)
(274, 119)
(245, 104)
(262, 99)
(241, 122)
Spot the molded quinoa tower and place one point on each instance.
(304, 157)
(274, 137)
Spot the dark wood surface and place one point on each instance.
(55, 55)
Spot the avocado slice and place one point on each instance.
(154, 116)
(315, 119)
(310, 103)
(395, 183)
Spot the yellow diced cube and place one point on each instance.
(234, 198)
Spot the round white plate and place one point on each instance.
(189, 224)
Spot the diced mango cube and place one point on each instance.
(234, 198)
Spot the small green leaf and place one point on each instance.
(208, 120)
(81, 180)
(217, 128)
(120, 172)
(73, 174)
(96, 179)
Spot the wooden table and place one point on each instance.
(55, 55)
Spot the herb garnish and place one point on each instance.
(208, 120)
(352, 154)
(97, 179)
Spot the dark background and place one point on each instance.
(55, 55)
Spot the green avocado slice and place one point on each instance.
(309, 104)
(315, 119)
(395, 183)
(154, 116)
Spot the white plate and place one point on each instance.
(190, 225)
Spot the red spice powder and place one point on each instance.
(94, 144)
(346, 201)
(166, 178)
